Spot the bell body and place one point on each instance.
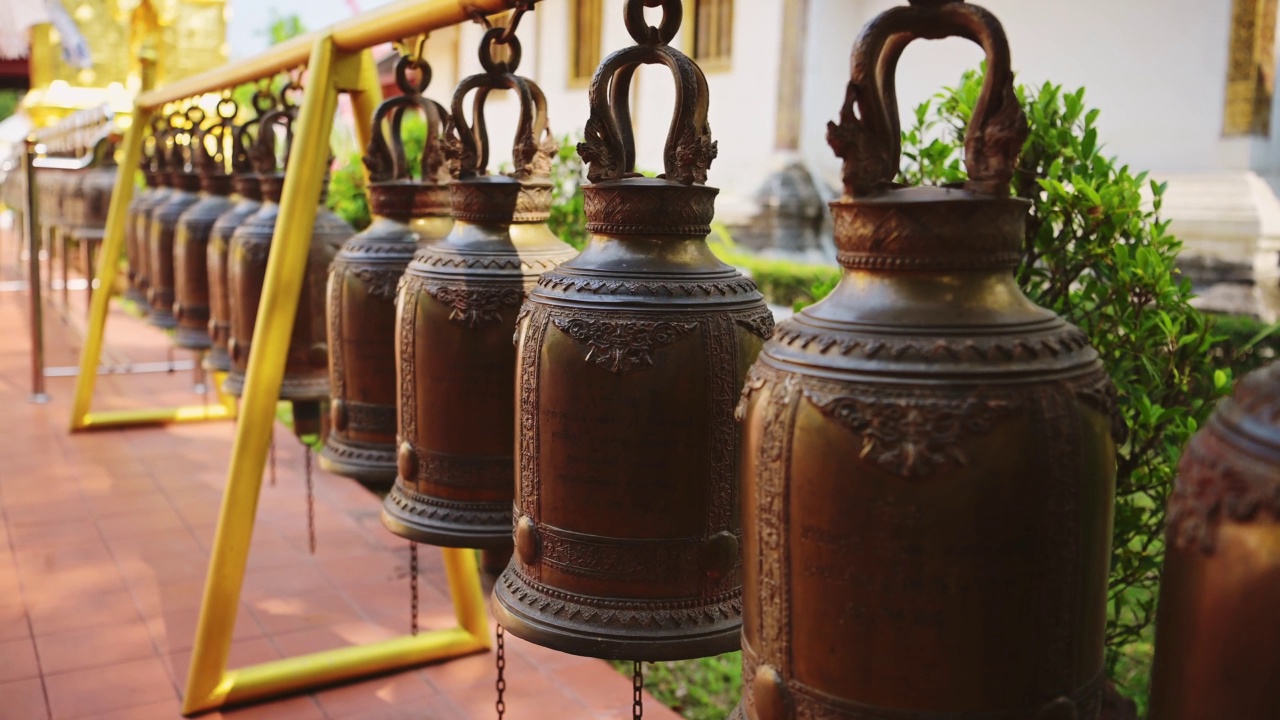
(928, 477)
(163, 229)
(630, 360)
(306, 376)
(1217, 652)
(456, 313)
(248, 188)
(191, 262)
(135, 242)
(99, 184)
(72, 215)
(361, 443)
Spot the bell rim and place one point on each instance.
(189, 338)
(218, 360)
(609, 646)
(417, 532)
(379, 471)
(163, 319)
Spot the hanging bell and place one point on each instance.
(361, 443)
(248, 193)
(163, 227)
(929, 458)
(630, 359)
(457, 308)
(306, 377)
(99, 183)
(139, 213)
(1217, 640)
(211, 150)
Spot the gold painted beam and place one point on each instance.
(384, 24)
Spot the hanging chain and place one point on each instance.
(272, 454)
(637, 687)
(311, 501)
(413, 588)
(501, 683)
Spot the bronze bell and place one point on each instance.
(457, 308)
(1217, 640)
(163, 228)
(248, 190)
(631, 358)
(929, 458)
(211, 150)
(156, 192)
(99, 183)
(361, 443)
(306, 376)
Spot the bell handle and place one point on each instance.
(264, 153)
(868, 136)
(471, 141)
(385, 158)
(608, 146)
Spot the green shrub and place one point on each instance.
(1101, 257)
(348, 196)
(568, 219)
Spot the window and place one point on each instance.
(1250, 75)
(585, 18)
(710, 39)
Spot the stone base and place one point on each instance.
(191, 338)
(446, 523)
(647, 630)
(372, 465)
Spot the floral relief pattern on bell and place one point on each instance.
(247, 187)
(306, 373)
(631, 358)
(1217, 651)
(929, 457)
(363, 279)
(163, 222)
(456, 311)
(212, 150)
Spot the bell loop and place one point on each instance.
(385, 157)
(644, 33)
(468, 145)
(608, 147)
(494, 37)
(214, 145)
(868, 136)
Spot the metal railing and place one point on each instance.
(337, 60)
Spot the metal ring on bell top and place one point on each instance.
(644, 33)
(402, 77)
(492, 37)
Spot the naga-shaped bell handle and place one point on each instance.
(609, 147)
(214, 144)
(153, 149)
(244, 137)
(268, 156)
(385, 158)
(184, 128)
(469, 145)
(868, 137)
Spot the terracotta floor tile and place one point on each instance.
(367, 569)
(435, 707)
(382, 694)
(291, 581)
(139, 523)
(13, 618)
(60, 533)
(24, 699)
(62, 557)
(312, 640)
(604, 690)
(298, 708)
(277, 615)
(536, 700)
(72, 509)
(243, 654)
(113, 687)
(82, 581)
(51, 615)
(18, 660)
(164, 710)
(176, 630)
(153, 599)
(130, 504)
(103, 645)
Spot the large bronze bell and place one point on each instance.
(306, 373)
(457, 309)
(929, 458)
(211, 149)
(1217, 640)
(163, 228)
(361, 443)
(99, 183)
(631, 358)
(139, 212)
(248, 193)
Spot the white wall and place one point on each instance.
(1155, 68)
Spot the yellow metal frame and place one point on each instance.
(337, 60)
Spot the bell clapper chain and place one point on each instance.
(501, 684)
(413, 588)
(637, 690)
(311, 498)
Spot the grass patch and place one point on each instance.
(699, 689)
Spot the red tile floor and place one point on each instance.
(105, 536)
